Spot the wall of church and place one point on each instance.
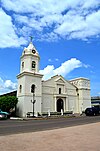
(47, 103)
(50, 95)
(71, 92)
(83, 92)
(25, 95)
(73, 104)
(20, 90)
(27, 60)
(25, 105)
(26, 83)
(20, 105)
(29, 80)
(48, 98)
(27, 64)
(85, 99)
(72, 99)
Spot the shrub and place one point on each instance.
(8, 102)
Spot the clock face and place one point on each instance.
(33, 51)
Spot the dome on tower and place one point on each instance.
(30, 50)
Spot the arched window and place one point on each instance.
(33, 88)
(20, 88)
(22, 65)
(33, 64)
(59, 90)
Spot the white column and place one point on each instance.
(49, 112)
(55, 104)
(61, 111)
(67, 108)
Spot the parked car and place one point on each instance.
(4, 115)
(92, 111)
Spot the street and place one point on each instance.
(23, 126)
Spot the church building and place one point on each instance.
(53, 95)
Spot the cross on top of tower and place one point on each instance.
(31, 38)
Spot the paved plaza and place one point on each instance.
(77, 138)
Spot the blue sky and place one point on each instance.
(66, 34)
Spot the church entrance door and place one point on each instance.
(59, 105)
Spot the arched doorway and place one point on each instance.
(59, 105)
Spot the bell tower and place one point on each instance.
(30, 59)
(29, 75)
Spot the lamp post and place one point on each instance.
(33, 101)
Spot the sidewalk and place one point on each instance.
(77, 138)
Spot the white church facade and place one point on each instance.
(53, 95)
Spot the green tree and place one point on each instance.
(8, 102)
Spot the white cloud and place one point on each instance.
(10, 85)
(28, 21)
(50, 60)
(1, 81)
(99, 93)
(78, 26)
(50, 37)
(71, 23)
(7, 85)
(47, 72)
(68, 66)
(48, 20)
(44, 7)
(53, 60)
(37, 6)
(8, 37)
(63, 70)
(90, 4)
(56, 59)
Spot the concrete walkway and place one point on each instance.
(77, 138)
